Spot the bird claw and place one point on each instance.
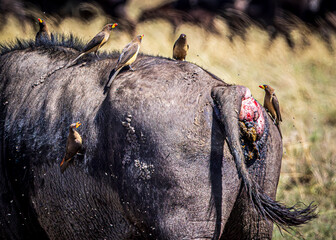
(130, 68)
(83, 64)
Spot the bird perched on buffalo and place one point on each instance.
(73, 146)
(271, 104)
(127, 57)
(180, 48)
(43, 34)
(97, 42)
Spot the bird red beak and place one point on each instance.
(262, 86)
(40, 20)
(114, 25)
(78, 124)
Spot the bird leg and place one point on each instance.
(130, 68)
(83, 64)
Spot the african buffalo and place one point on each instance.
(164, 154)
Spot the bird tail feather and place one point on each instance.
(109, 83)
(64, 165)
(278, 126)
(79, 56)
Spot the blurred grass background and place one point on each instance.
(304, 79)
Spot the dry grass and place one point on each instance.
(304, 83)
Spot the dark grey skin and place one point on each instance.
(157, 164)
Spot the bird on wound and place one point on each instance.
(271, 104)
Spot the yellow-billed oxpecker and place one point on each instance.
(127, 57)
(97, 42)
(73, 146)
(180, 48)
(43, 34)
(271, 104)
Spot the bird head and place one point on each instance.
(140, 37)
(109, 27)
(267, 88)
(42, 23)
(78, 124)
(183, 36)
(75, 125)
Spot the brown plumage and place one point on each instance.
(180, 48)
(271, 104)
(73, 146)
(43, 34)
(127, 57)
(97, 42)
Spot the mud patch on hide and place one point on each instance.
(146, 170)
(132, 159)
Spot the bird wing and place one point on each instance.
(127, 53)
(276, 106)
(72, 148)
(174, 45)
(174, 55)
(97, 40)
(70, 153)
(38, 35)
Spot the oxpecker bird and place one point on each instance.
(271, 104)
(43, 34)
(180, 48)
(97, 42)
(73, 146)
(127, 57)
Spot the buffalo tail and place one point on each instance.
(228, 101)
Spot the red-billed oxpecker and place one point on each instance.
(97, 42)
(180, 48)
(73, 146)
(127, 57)
(43, 34)
(271, 104)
